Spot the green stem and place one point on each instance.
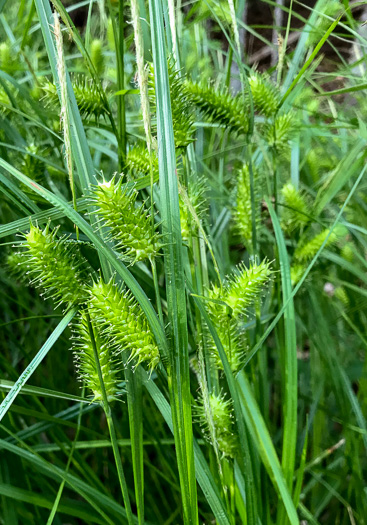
(121, 79)
(111, 428)
(156, 289)
(118, 35)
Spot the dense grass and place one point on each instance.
(198, 228)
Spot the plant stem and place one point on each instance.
(111, 427)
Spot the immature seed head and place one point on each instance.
(129, 223)
(92, 351)
(55, 265)
(218, 413)
(121, 319)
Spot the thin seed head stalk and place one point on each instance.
(129, 223)
(120, 319)
(55, 265)
(64, 112)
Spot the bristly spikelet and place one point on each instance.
(281, 131)
(88, 98)
(55, 265)
(123, 322)
(308, 249)
(265, 95)
(296, 211)
(138, 160)
(220, 411)
(245, 285)
(129, 224)
(182, 115)
(243, 211)
(219, 105)
(85, 359)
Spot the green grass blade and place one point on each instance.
(262, 439)
(179, 372)
(289, 360)
(309, 61)
(203, 474)
(5, 386)
(68, 507)
(14, 391)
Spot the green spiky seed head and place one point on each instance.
(218, 416)
(32, 166)
(96, 55)
(138, 161)
(308, 249)
(281, 131)
(5, 57)
(88, 98)
(245, 286)
(342, 295)
(296, 211)
(243, 210)
(196, 195)
(219, 106)
(129, 223)
(347, 252)
(228, 304)
(120, 319)
(331, 8)
(265, 95)
(55, 265)
(182, 114)
(85, 354)
(297, 271)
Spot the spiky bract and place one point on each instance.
(55, 265)
(308, 249)
(243, 210)
(123, 322)
(219, 105)
(296, 211)
(265, 95)
(220, 413)
(129, 223)
(84, 333)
